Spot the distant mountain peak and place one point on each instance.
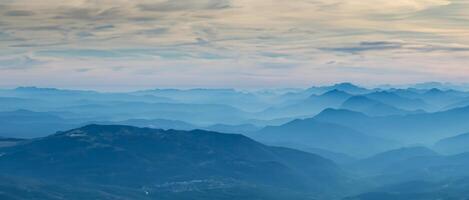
(345, 87)
(331, 112)
(34, 88)
(435, 91)
(349, 88)
(98, 127)
(345, 84)
(336, 92)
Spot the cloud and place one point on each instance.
(185, 5)
(19, 63)
(89, 13)
(155, 31)
(77, 53)
(257, 42)
(4, 36)
(19, 13)
(279, 65)
(83, 70)
(367, 46)
(390, 7)
(104, 27)
(390, 46)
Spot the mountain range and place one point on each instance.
(336, 142)
(167, 164)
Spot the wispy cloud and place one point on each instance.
(19, 13)
(183, 5)
(390, 46)
(19, 63)
(323, 40)
(366, 46)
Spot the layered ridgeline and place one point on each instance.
(29, 124)
(310, 134)
(309, 106)
(423, 128)
(371, 107)
(383, 163)
(98, 106)
(383, 143)
(46, 110)
(123, 162)
(453, 145)
(413, 173)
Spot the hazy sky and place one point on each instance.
(126, 44)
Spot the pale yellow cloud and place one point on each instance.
(322, 40)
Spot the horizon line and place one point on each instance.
(121, 89)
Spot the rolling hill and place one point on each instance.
(170, 163)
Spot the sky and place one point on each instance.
(135, 44)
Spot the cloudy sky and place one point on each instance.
(133, 44)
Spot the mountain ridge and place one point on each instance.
(94, 154)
